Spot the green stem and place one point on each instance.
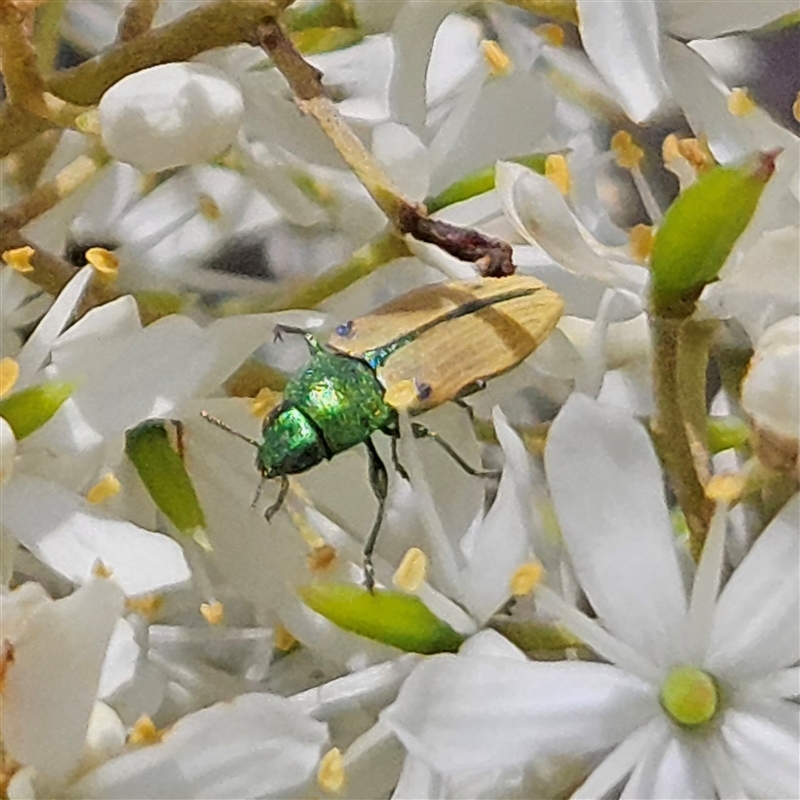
(670, 427)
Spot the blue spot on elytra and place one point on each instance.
(346, 329)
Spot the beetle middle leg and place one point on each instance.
(421, 432)
(379, 481)
(271, 511)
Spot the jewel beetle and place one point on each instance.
(436, 343)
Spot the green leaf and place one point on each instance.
(392, 618)
(701, 227)
(312, 41)
(479, 182)
(164, 475)
(29, 409)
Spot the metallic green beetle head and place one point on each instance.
(291, 444)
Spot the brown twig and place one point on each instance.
(490, 255)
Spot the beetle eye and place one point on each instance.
(424, 391)
(346, 329)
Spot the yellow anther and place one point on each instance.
(209, 208)
(104, 262)
(641, 240)
(526, 578)
(796, 107)
(148, 605)
(670, 151)
(321, 558)
(696, 152)
(19, 259)
(727, 487)
(104, 489)
(413, 570)
(264, 402)
(553, 34)
(9, 373)
(330, 774)
(100, 570)
(497, 58)
(283, 640)
(144, 732)
(402, 395)
(556, 170)
(629, 155)
(740, 103)
(213, 613)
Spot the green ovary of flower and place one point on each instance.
(689, 695)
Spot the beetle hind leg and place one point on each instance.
(421, 432)
(379, 481)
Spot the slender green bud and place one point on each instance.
(27, 410)
(164, 475)
(700, 229)
(392, 618)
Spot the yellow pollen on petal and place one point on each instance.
(330, 774)
(740, 103)
(9, 373)
(553, 34)
(556, 170)
(497, 58)
(209, 208)
(104, 489)
(641, 240)
(144, 732)
(213, 613)
(100, 570)
(696, 152)
(19, 259)
(413, 570)
(147, 606)
(526, 578)
(264, 402)
(670, 151)
(321, 558)
(104, 262)
(796, 107)
(628, 154)
(726, 487)
(402, 395)
(283, 639)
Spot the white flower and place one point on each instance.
(461, 714)
(170, 115)
(771, 388)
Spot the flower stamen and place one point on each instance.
(689, 695)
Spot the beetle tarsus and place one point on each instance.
(421, 432)
(278, 331)
(379, 481)
(271, 511)
(399, 468)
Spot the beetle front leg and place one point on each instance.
(272, 510)
(313, 345)
(379, 481)
(421, 432)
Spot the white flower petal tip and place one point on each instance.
(170, 115)
(257, 745)
(8, 450)
(771, 389)
(404, 157)
(47, 699)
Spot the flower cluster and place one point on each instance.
(577, 574)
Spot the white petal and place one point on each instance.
(50, 686)
(37, 348)
(490, 643)
(119, 666)
(757, 619)
(257, 745)
(418, 780)
(8, 450)
(52, 523)
(680, 774)
(541, 215)
(501, 542)
(607, 488)
(472, 714)
(705, 19)
(404, 158)
(105, 737)
(170, 115)
(765, 752)
(622, 40)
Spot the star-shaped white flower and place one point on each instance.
(695, 699)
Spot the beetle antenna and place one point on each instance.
(220, 424)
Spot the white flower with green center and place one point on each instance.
(696, 699)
